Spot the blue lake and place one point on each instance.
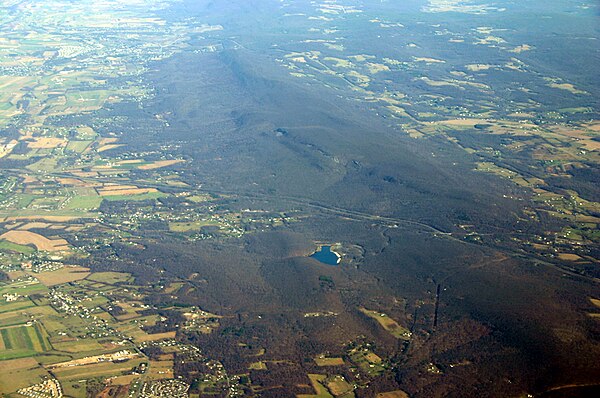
(326, 256)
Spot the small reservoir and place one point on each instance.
(326, 256)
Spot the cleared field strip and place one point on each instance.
(124, 190)
(390, 325)
(159, 164)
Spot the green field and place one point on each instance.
(19, 373)
(23, 341)
(44, 165)
(16, 305)
(23, 200)
(367, 361)
(200, 198)
(143, 196)
(12, 319)
(36, 213)
(53, 324)
(52, 358)
(192, 225)
(78, 146)
(14, 247)
(80, 346)
(95, 302)
(96, 370)
(316, 381)
(84, 99)
(110, 277)
(74, 388)
(22, 288)
(47, 203)
(83, 203)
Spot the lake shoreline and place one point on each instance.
(325, 253)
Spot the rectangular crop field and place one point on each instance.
(20, 373)
(91, 202)
(110, 277)
(78, 146)
(63, 275)
(39, 241)
(104, 369)
(22, 341)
